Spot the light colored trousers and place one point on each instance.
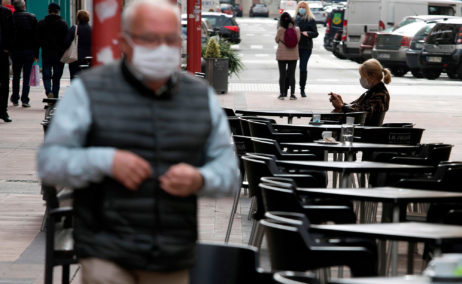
(100, 271)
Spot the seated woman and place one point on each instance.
(375, 101)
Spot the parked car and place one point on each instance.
(390, 48)
(317, 9)
(224, 25)
(236, 8)
(259, 10)
(337, 49)
(334, 24)
(442, 51)
(226, 8)
(415, 49)
(288, 6)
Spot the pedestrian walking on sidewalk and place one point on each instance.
(307, 24)
(24, 51)
(139, 140)
(83, 44)
(6, 41)
(287, 38)
(52, 33)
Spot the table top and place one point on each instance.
(405, 231)
(356, 167)
(407, 279)
(286, 112)
(355, 146)
(385, 194)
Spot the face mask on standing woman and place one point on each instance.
(302, 11)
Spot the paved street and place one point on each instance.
(433, 105)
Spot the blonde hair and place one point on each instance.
(308, 15)
(373, 68)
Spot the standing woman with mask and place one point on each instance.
(375, 101)
(84, 41)
(287, 56)
(307, 24)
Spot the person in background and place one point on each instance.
(286, 57)
(52, 35)
(305, 21)
(84, 43)
(24, 51)
(139, 141)
(375, 101)
(6, 41)
(7, 3)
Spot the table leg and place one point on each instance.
(410, 257)
(289, 119)
(345, 180)
(394, 244)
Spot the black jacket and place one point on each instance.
(52, 33)
(25, 32)
(306, 26)
(6, 26)
(84, 44)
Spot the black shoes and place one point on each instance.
(5, 117)
(293, 97)
(26, 105)
(14, 103)
(302, 93)
(281, 96)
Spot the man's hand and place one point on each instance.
(130, 169)
(181, 180)
(305, 33)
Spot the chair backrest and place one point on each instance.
(290, 277)
(279, 198)
(235, 125)
(398, 124)
(340, 118)
(267, 146)
(259, 129)
(245, 125)
(438, 152)
(229, 111)
(228, 264)
(449, 173)
(389, 135)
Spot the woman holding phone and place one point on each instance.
(375, 101)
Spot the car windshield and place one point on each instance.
(411, 29)
(443, 34)
(404, 22)
(219, 21)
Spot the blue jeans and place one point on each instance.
(22, 61)
(304, 55)
(52, 69)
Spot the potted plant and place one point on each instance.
(216, 67)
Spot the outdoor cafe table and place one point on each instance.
(405, 231)
(347, 168)
(290, 114)
(392, 195)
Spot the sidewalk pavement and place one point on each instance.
(22, 207)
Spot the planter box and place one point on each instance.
(216, 72)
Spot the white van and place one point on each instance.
(376, 15)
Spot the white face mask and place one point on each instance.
(157, 63)
(364, 83)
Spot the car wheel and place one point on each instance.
(338, 55)
(453, 75)
(431, 74)
(398, 71)
(417, 73)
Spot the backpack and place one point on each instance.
(290, 37)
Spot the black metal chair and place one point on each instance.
(291, 277)
(264, 129)
(229, 112)
(389, 135)
(292, 247)
(270, 146)
(227, 264)
(235, 125)
(245, 123)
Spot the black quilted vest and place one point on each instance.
(146, 229)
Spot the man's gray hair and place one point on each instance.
(19, 5)
(131, 7)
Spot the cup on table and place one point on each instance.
(326, 134)
(347, 133)
(316, 118)
(350, 120)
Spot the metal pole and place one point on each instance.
(105, 31)
(194, 35)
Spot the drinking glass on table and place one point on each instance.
(347, 133)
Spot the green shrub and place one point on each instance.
(224, 50)
(213, 50)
